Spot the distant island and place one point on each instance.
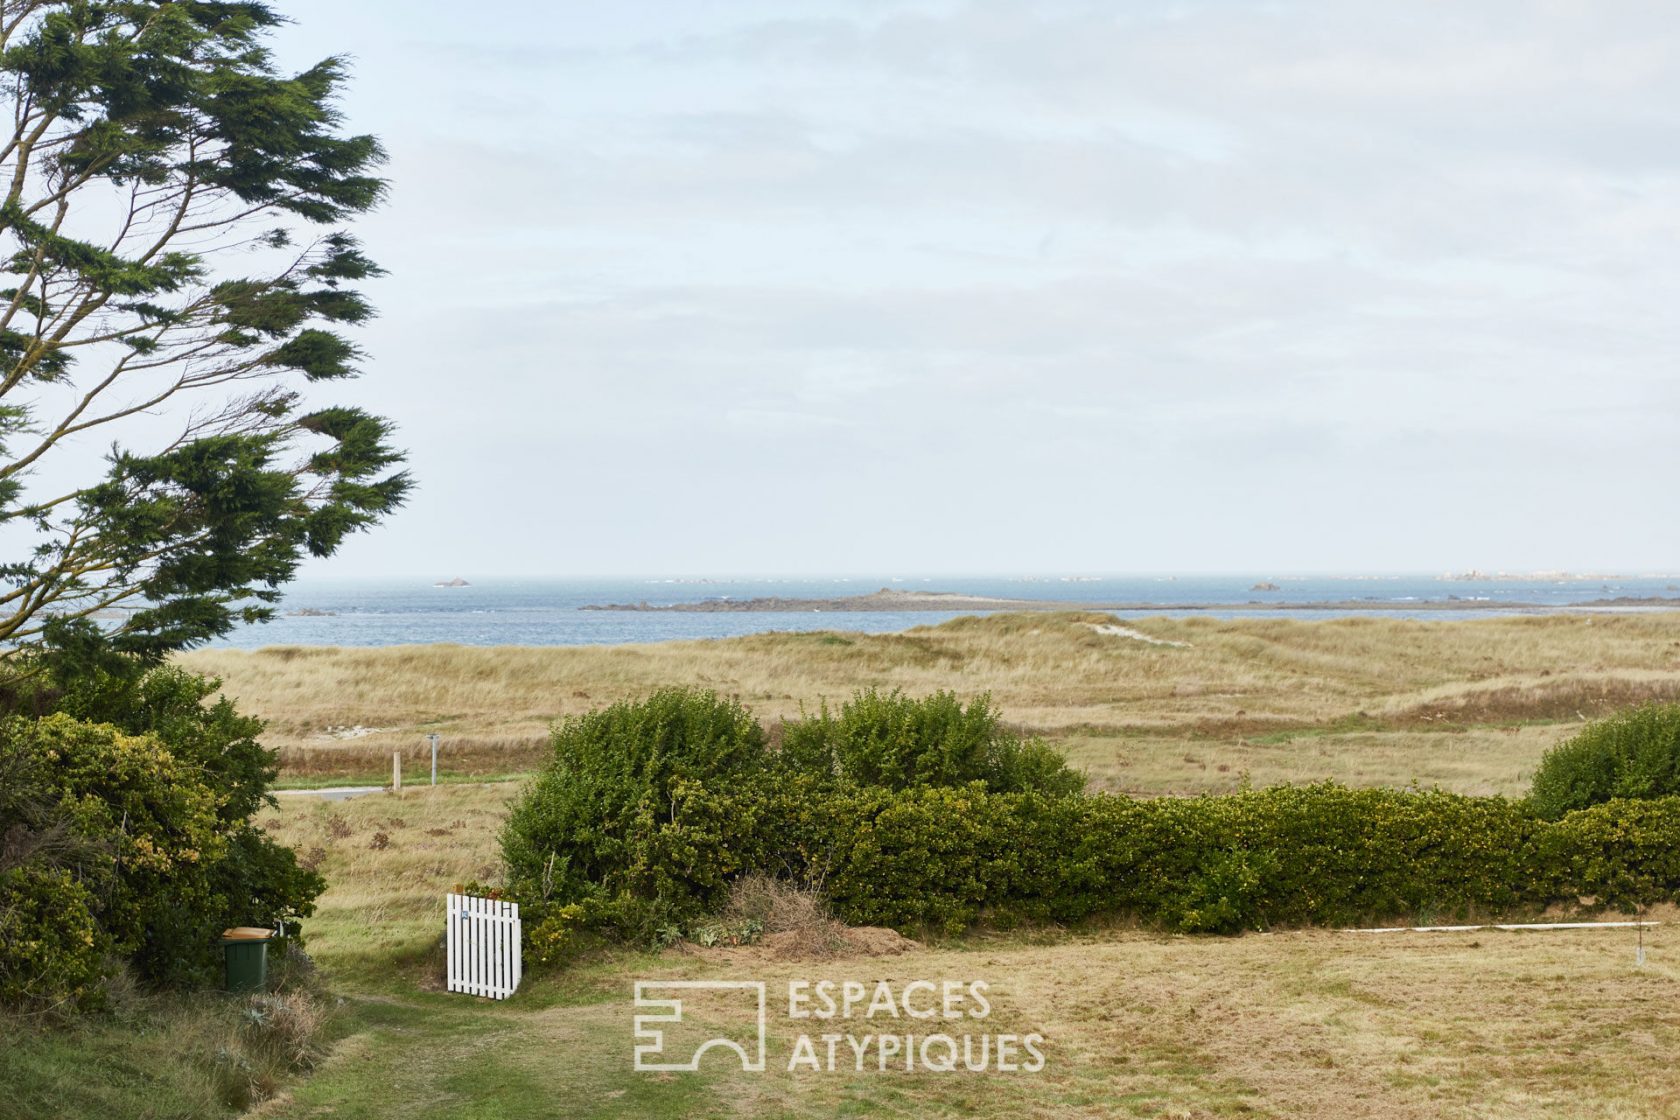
(1475, 575)
(456, 582)
(888, 599)
(885, 599)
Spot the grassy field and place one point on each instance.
(1292, 1024)
(1288, 1024)
(1186, 705)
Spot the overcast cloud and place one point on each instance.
(698, 287)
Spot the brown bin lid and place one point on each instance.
(247, 933)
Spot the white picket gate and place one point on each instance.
(482, 936)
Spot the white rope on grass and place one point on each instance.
(1528, 925)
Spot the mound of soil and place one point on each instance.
(836, 941)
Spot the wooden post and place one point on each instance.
(396, 771)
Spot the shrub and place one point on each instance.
(1623, 854)
(144, 837)
(556, 935)
(1632, 755)
(148, 826)
(1317, 854)
(653, 814)
(199, 728)
(643, 812)
(929, 856)
(52, 951)
(894, 741)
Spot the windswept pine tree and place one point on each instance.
(178, 278)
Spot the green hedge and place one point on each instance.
(1624, 853)
(1311, 855)
(944, 856)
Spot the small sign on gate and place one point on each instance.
(482, 941)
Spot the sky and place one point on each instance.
(699, 287)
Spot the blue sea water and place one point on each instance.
(545, 612)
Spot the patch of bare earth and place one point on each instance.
(839, 943)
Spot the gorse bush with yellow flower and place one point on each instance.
(126, 837)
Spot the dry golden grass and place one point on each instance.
(1477, 760)
(1299, 1024)
(1364, 699)
(386, 896)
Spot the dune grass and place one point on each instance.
(386, 894)
(1469, 705)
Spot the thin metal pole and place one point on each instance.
(433, 737)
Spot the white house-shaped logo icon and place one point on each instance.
(655, 1014)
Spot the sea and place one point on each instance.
(545, 612)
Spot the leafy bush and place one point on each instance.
(1635, 755)
(1316, 854)
(152, 823)
(147, 814)
(198, 727)
(649, 813)
(557, 933)
(1623, 853)
(928, 856)
(643, 812)
(51, 949)
(894, 741)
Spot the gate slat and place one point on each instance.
(518, 940)
(465, 963)
(478, 948)
(483, 906)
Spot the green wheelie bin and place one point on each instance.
(246, 952)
